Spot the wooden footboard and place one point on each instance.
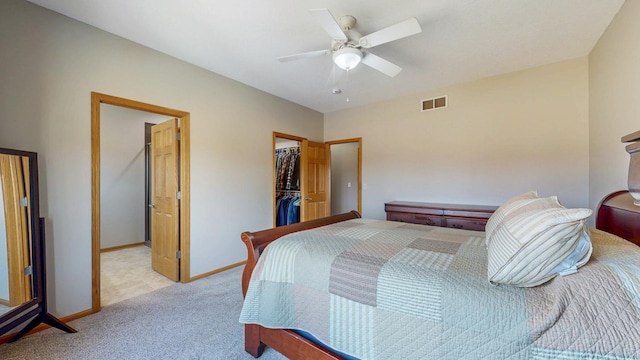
(257, 241)
(286, 342)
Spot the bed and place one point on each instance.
(347, 287)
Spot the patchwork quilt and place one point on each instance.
(389, 290)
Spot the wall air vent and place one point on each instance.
(435, 103)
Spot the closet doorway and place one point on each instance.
(179, 172)
(287, 179)
(314, 196)
(313, 199)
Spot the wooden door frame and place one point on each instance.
(96, 100)
(346, 141)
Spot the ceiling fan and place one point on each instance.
(347, 44)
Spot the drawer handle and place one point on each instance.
(427, 221)
(457, 226)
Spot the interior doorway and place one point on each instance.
(346, 175)
(126, 267)
(183, 175)
(287, 179)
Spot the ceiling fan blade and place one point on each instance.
(382, 65)
(329, 23)
(394, 32)
(304, 55)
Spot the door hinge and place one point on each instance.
(24, 202)
(178, 195)
(178, 254)
(178, 136)
(28, 270)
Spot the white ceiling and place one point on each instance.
(461, 40)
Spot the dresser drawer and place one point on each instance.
(459, 216)
(465, 223)
(415, 218)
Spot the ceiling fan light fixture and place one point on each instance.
(347, 58)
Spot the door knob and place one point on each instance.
(152, 205)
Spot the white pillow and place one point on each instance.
(537, 241)
(504, 209)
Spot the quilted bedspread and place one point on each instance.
(388, 290)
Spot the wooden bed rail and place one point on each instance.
(257, 241)
(287, 342)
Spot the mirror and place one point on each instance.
(23, 297)
(16, 287)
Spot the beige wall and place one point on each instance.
(614, 101)
(498, 137)
(49, 66)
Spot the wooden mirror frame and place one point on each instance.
(34, 311)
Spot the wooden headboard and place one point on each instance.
(618, 215)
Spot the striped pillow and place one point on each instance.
(504, 209)
(538, 241)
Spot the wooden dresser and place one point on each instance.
(619, 216)
(470, 217)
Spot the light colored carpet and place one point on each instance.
(198, 320)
